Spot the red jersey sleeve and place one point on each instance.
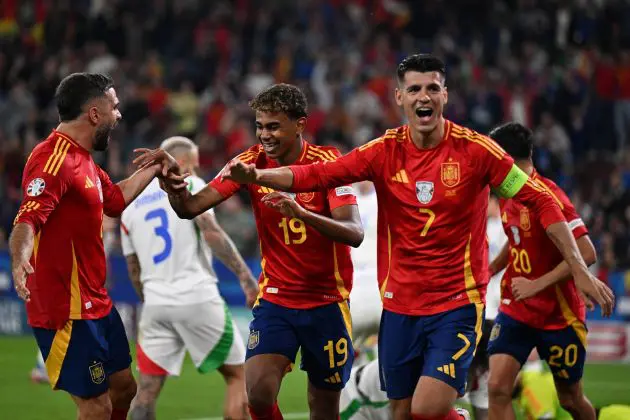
(358, 165)
(225, 187)
(340, 196)
(511, 182)
(576, 224)
(113, 198)
(44, 181)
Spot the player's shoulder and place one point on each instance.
(390, 138)
(554, 189)
(320, 153)
(251, 154)
(52, 154)
(472, 140)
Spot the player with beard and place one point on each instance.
(58, 258)
(432, 179)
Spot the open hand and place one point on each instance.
(590, 287)
(284, 203)
(171, 179)
(240, 172)
(21, 271)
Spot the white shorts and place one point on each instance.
(206, 330)
(362, 398)
(365, 308)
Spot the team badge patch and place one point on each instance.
(254, 339)
(35, 187)
(424, 191)
(97, 373)
(525, 223)
(450, 174)
(496, 330)
(306, 197)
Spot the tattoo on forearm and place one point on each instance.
(223, 247)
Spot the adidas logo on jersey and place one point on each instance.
(401, 176)
(88, 182)
(335, 379)
(448, 369)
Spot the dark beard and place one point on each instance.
(101, 138)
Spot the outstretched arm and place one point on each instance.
(225, 250)
(353, 167)
(188, 205)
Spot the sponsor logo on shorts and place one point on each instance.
(496, 330)
(254, 339)
(97, 373)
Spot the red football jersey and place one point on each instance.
(432, 250)
(533, 254)
(301, 268)
(65, 196)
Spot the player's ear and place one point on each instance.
(93, 114)
(445, 93)
(398, 96)
(300, 125)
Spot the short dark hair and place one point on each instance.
(76, 90)
(515, 138)
(282, 97)
(422, 63)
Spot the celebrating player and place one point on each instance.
(172, 271)
(306, 267)
(432, 180)
(58, 260)
(540, 304)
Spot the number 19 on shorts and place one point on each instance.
(338, 350)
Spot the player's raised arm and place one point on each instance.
(511, 182)
(358, 165)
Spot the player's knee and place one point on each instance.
(499, 391)
(570, 400)
(260, 393)
(95, 409)
(232, 373)
(124, 393)
(434, 409)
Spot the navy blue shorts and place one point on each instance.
(84, 353)
(441, 346)
(323, 334)
(564, 350)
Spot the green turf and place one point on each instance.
(197, 396)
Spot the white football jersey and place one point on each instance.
(364, 257)
(175, 261)
(496, 240)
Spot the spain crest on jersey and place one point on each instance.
(525, 222)
(424, 191)
(450, 174)
(97, 373)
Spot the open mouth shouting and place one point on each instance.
(424, 113)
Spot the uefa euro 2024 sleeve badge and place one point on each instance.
(35, 187)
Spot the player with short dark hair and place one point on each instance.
(432, 179)
(57, 253)
(540, 303)
(306, 267)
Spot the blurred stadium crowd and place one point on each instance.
(189, 67)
